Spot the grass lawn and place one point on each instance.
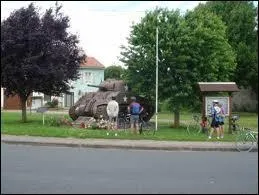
(11, 124)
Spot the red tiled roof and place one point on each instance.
(218, 86)
(91, 62)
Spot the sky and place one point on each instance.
(102, 26)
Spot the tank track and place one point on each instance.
(71, 113)
(101, 110)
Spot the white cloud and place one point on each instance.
(102, 26)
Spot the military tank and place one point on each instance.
(93, 104)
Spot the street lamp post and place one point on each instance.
(156, 75)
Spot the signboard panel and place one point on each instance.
(222, 100)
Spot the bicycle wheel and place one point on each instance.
(244, 142)
(127, 124)
(235, 129)
(121, 124)
(193, 128)
(189, 128)
(197, 128)
(147, 128)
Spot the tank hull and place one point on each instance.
(94, 104)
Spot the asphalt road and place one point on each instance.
(44, 169)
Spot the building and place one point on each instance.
(91, 71)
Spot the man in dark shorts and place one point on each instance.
(134, 109)
(215, 111)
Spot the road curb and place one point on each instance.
(120, 144)
(85, 145)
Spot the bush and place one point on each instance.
(53, 121)
(58, 121)
(53, 103)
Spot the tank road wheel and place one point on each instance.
(72, 113)
(101, 110)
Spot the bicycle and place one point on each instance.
(234, 123)
(123, 121)
(194, 125)
(246, 140)
(146, 127)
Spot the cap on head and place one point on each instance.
(133, 98)
(215, 101)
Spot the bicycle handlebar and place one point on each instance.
(235, 117)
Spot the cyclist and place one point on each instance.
(215, 118)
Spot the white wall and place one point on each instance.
(37, 94)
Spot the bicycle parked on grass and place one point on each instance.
(146, 127)
(234, 123)
(194, 125)
(246, 139)
(123, 121)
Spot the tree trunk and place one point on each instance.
(176, 118)
(24, 116)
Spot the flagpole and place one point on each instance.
(156, 75)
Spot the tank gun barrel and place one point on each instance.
(100, 87)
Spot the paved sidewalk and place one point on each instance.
(117, 143)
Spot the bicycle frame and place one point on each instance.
(145, 127)
(124, 121)
(234, 124)
(246, 139)
(194, 124)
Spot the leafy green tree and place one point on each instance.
(191, 49)
(240, 18)
(113, 72)
(37, 53)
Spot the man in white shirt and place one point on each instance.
(113, 111)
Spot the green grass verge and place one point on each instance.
(11, 124)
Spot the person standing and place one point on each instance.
(221, 121)
(134, 109)
(112, 112)
(215, 111)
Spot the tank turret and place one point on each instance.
(94, 104)
(111, 85)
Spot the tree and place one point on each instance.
(240, 18)
(114, 72)
(37, 53)
(191, 49)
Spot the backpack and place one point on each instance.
(221, 115)
(216, 115)
(135, 108)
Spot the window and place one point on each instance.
(81, 77)
(88, 77)
(69, 100)
(47, 98)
